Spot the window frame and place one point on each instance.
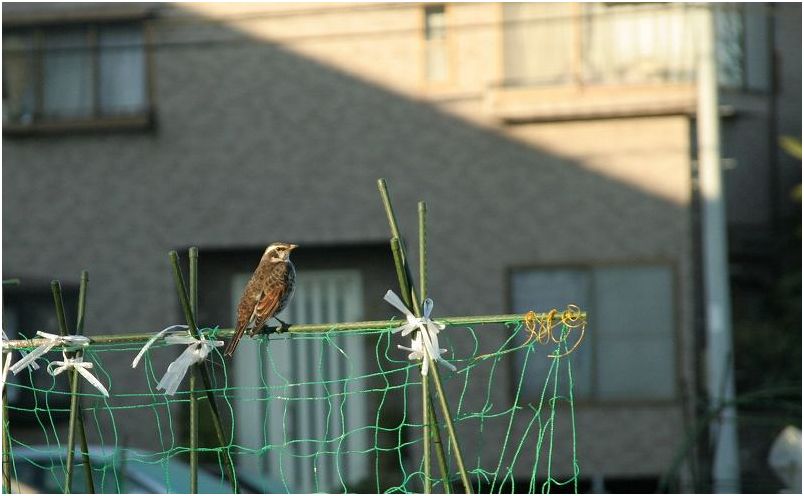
(96, 121)
(677, 310)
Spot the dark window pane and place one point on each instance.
(19, 88)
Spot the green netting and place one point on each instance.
(315, 412)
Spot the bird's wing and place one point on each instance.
(267, 306)
(245, 311)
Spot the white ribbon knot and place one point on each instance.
(426, 341)
(7, 360)
(196, 352)
(57, 367)
(53, 340)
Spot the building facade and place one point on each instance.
(554, 144)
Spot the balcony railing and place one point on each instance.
(603, 44)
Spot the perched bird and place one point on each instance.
(267, 293)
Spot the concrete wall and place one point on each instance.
(259, 140)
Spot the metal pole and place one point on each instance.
(725, 466)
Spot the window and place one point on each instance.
(74, 73)
(435, 39)
(639, 43)
(320, 296)
(730, 35)
(629, 349)
(538, 43)
(744, 50)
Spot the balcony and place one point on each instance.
(578, 61)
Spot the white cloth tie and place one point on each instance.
(33, 365)
(53, 340)
(7, 361)
(196, 352)
(426, 341)
(57, 367)
(153, 340)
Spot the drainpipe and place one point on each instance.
(717, 300)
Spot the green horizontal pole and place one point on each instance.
(379, 325)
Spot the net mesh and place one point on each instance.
(331, 411)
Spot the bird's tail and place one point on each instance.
(230, 348)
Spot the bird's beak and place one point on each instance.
(292, 247)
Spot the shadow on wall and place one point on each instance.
(257, 143)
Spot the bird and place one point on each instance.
(267, 293)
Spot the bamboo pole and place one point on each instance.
(433, 366)
(428, 411)
(55, 288)
(6, 441)
(425, 382)
(6, 438)
(439, 449)
(82, 434)
(216, 419)
(408, 297)
(140, 337)
(193, 372)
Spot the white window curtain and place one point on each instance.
(67, 74)
(538, 43)
(638, 43)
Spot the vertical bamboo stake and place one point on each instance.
(55, 288)
(439, 449)
(436, 376)
(216, 419)
(6, 441)
(407, 297)
(193, 372)
(82, 434)
(425, 381)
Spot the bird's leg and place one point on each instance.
(284, 327)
